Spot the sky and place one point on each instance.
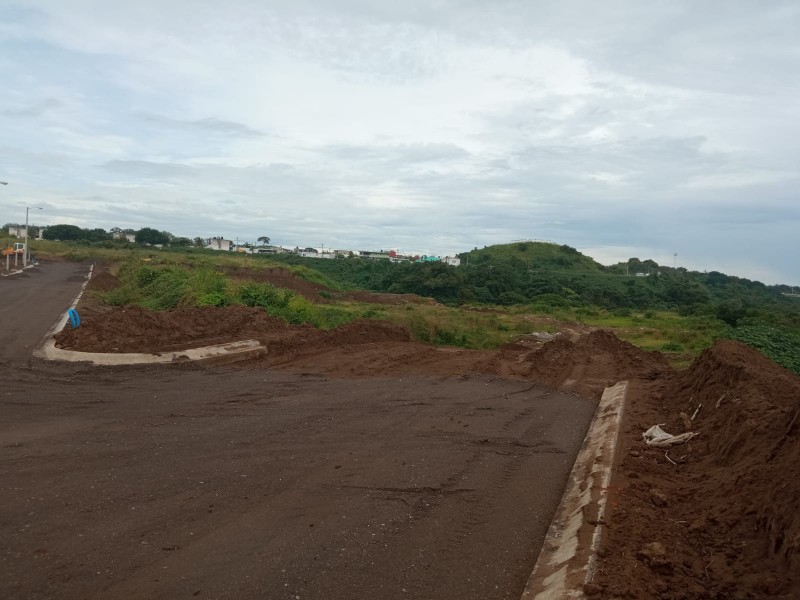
(622, 128)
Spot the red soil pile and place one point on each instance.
(282, 278)
(390, 299)
(102, 281)
(134, 329)
(727, 514)
(586, 365)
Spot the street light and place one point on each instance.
(26, 256)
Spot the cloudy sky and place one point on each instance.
(623, 128)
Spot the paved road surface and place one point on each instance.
(178, 482)
(30, 302)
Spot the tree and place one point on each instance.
(181, 241)
(199, 242)
(96, 235)
(64, 232)
(148, 235)
(264, 240)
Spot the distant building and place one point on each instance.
(218, 243)
(271, 250)
(368, 254)
(17, 232)
(453, 261)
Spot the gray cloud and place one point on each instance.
(621, 126)
(33, 110)
(400, 153)
(208, 125)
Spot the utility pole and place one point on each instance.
(27, 253)
(674, 259)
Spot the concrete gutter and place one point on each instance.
(219, 354)
(569, 553)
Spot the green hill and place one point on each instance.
(533, 255)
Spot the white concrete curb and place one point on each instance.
(218, 354)
(567, 559)
(18, 271)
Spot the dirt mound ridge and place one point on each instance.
(134, 329)
(309, 342)
(586, 365)
(282, 278)
(724, 507)
(103, 282)
(750, 426)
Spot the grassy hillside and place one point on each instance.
(533, 255)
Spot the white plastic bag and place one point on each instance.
(655, 436)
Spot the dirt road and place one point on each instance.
(31, 301)
(177, 482)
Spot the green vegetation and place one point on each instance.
(781, 345)
(163, 287)
(493, 297)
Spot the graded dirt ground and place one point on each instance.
(715, 518)
(180, 482)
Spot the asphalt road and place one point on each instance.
(30, 302)
(180, 482)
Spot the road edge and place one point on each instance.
(569, 553)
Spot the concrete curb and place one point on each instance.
(219, 354)
(18, 271)
(567, 559)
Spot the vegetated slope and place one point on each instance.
(534, 255)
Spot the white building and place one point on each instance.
(17, 232)
(453, 261)
(218, 243)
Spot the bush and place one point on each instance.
(672, 347)
(781, 345)
(213, 299)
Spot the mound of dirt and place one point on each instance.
(103, 281)
(389, 299)
(585, 364)
(726, 505)
(134, 329)
(304, 345)
(283, 278)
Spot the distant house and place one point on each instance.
(453, 261)
(17, 232)
(368, 254)
(271, 250)
(124, 235)
(218, 243)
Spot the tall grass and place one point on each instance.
(164, 287)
